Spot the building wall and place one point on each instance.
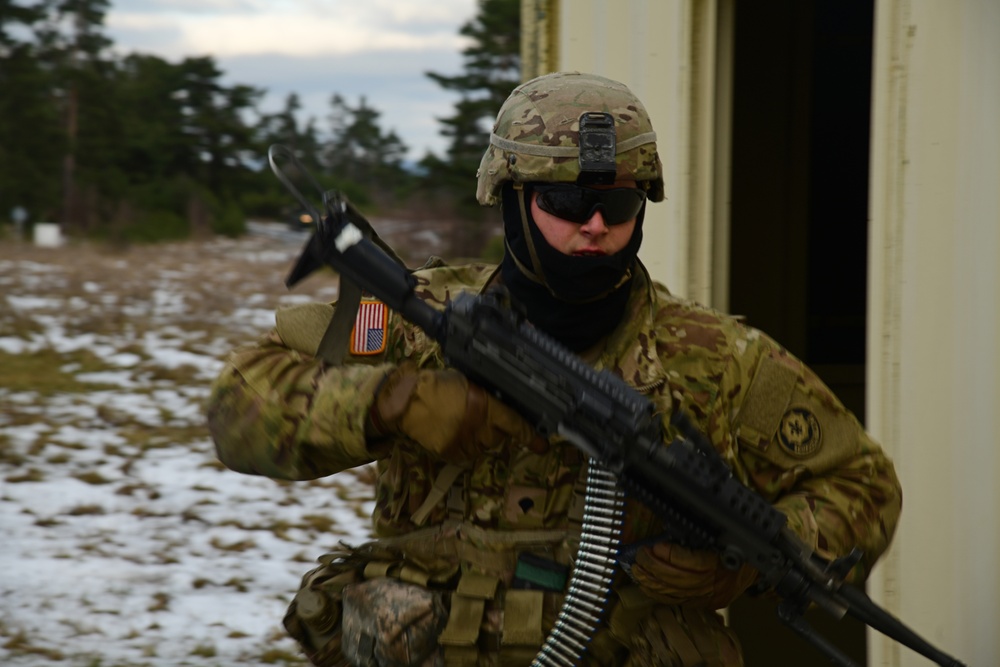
(640, 42)
(934, 318)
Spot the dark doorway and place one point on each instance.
(801, 113)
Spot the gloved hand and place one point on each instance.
(676, 575)
(446, 414)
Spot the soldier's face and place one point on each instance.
(594, 237)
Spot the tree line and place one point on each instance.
(135, 147)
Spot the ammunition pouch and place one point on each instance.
(393, 602)
(390, 623)
(313, 618)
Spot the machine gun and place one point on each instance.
(688, 483)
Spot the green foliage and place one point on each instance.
(492, 68)
(367, 162)
(31, 145)
(265, 203)
(158, 225)
(115, 146)
(493, 250)
(231, 221)
(136, 148)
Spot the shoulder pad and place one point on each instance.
(301, 327)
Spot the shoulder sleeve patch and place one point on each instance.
(813, 435)
(368, 335)
(792, 421)
(800, 434)
(766, 403)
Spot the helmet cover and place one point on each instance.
(536, 136)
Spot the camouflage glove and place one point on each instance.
(680, 576)
(446, 414)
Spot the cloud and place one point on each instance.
(377, 48)
(392, 82)
(235, 27)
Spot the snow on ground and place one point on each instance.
(124, 542)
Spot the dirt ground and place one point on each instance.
(125, 542)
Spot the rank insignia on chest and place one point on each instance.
(368, 335)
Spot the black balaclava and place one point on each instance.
(576, 300)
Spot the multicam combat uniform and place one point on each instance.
(278, 411)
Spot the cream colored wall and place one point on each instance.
(934, 318)
(664, 50)
(934, 296)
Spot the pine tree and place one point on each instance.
(492, 68)
(361, 152)
(31, 138)
(77, 57)
(271, 199)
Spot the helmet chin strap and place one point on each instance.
(535, 273)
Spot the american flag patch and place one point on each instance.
(368, 335)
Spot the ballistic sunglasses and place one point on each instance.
(577, 203)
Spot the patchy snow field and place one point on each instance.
(124, 541)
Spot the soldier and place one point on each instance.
(476, 516)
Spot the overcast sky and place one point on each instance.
(376, 48)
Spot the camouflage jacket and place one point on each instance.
(278, 411)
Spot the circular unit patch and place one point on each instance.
(799, 433)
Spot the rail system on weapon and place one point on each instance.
(686, 482)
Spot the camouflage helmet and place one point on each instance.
(536, 136)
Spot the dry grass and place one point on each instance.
(105, 355)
